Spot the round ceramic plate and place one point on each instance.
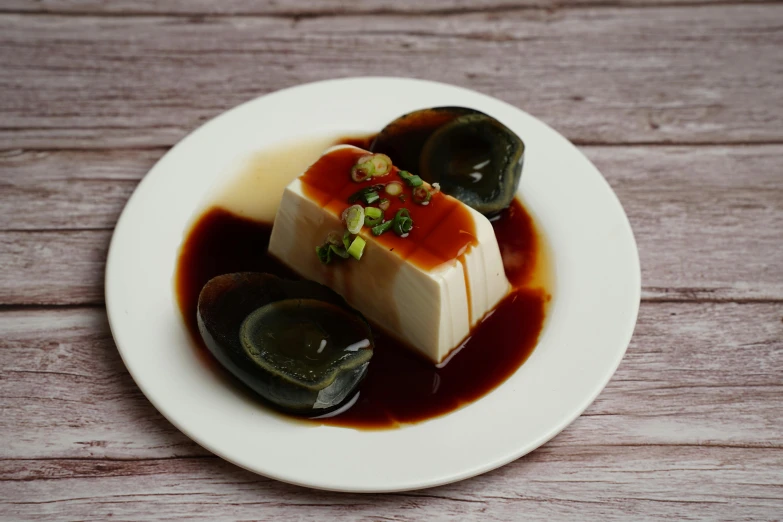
(590, 321)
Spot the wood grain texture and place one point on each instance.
(600, 75)
(703, 375)
(310, 8)
(720, 209)
(73, 418)
(63, 267)
(568, 483)
(678, 103)
(708, 221)
(56, 190)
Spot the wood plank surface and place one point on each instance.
(705, 204)
(319, 8)
(63, 267)
(56, 190)
(600, 75)
(569, 483)
(639, 449)
(677, 102)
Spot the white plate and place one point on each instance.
(589, 326)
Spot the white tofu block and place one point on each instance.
(432, 311)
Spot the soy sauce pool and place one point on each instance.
(400, 387)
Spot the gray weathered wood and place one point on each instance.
(63, 267)
(55, 190)
(308, 7)
(690, 427)
(567, 483)
(695, 374)
(708, 220)
(600, 75)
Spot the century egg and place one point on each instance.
(471, 155)
(297, 344)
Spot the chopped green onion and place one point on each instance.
(411, 179)
(346, 239)
(324, 253)
(360, 173)
(382, 164)
(394, 188)
(371, 197)
(422, 195)
(402, 223)
(357, 248)
(333, 245)
(371, 165)
(340, 251)
(372, 216)
(360, 194)
(373, 212)
(353, 217)
(383, 204)
(371, 222)
(383, 227)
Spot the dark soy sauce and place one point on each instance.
(400, 387)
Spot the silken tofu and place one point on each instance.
(427, 289)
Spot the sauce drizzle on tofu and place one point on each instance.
(443, 229)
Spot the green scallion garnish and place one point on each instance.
(324, 253)
(411, 179)
(359, 173)
(353, 217)
(371, 165)
(371, 222)
(383, 227)
(373, 212)
(340, 251)
(372, 216)
(381, 163)
(361, 193)
(327, 250)
(371, 197)
(402, 223)
(357, 248)
(422, 195)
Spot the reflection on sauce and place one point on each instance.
(400, 386)
(442, 231)
(517, 239)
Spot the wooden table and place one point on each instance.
(679, 104)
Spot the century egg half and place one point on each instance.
(297, 344)
(471, 155)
